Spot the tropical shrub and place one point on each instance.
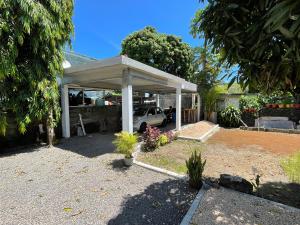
(195, 167)
(163, 140)
(230, 117)
(210, 99)
(249, 103)
(151, 138)
(171, 136)
(125, 143)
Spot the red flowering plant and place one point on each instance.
(170, 135)
(151, 138)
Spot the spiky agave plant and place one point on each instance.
(195, 167)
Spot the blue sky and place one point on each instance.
(100, 26)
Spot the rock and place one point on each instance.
(236, 183)
(212, 182)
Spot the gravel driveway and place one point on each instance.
(226, 207)
(81, 182)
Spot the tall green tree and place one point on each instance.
(261, 36)
(32, 38)
(162, 51)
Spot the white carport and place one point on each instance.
(129, 75)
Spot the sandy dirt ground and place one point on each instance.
(278, 143)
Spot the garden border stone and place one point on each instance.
(203, 137)
(195, 205)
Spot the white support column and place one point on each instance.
(198, 107)
(127, 113)
(178, 108)
(193, 101)
(157, 100)
(65, 111)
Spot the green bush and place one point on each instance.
(163, 140)
(125, 143)
(230, 117)
(249, 102)
(195, 168)
(291, 167)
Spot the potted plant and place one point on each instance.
(125, 143)
(210, 100)
(195, 167)
(297, 106)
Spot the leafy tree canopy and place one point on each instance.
(262, 36)
(32, 37)
(208, 68)
(162, 51)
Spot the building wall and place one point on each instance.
(94, 117)
(168, 100)
(226, 100)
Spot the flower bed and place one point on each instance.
(153, 138)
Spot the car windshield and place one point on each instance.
(140, 111)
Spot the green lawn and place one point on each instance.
(291, 167)
(172, 156)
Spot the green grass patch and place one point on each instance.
(171, 156)
(291, 167)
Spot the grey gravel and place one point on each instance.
(227, 207)
(81, 181)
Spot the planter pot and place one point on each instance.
(269, 106)
(212, 118)
(128, 161)
(281, 106)
(297, 106)
(274, 106)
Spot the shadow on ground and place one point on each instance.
(92, 145)
(5, 152)
(118, 165)
(161, 203)
(285, 193)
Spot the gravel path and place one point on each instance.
(80, 182)
(226, 207)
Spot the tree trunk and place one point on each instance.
(204, 55)
(50, 129)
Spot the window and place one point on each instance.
(159, 111)
(151, 111)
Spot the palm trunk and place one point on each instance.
(204, 55)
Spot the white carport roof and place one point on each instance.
(109, 74)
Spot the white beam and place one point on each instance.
(198, 107)
(193, 101)
(157, 100)
(65, 111)
(127, 107)
(178, 108)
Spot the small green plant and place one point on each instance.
(291, 167)
(230, 117)
(125, 143)
(249, 102)
(163, 140)
(195, 167)
(3, 124)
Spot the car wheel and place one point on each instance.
(143, 127)
(164, 123)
